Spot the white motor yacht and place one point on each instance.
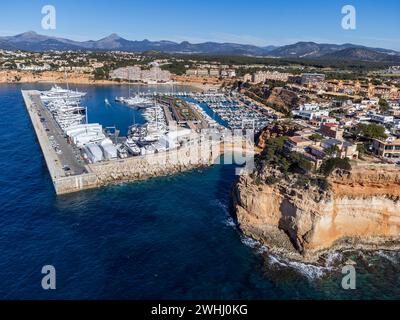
(57, 93)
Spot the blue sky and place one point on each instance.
(259, 22)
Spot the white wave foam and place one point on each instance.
(333, 259)
(393, 257)
(228, 221)
(222, 206)
(276, 261)
(253, 244)
(309, 270)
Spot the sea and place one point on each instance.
(167, 238)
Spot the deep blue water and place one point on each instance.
(167, 238)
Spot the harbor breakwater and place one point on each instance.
(190, 157)
(159, 164)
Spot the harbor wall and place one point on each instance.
(65, 185)
(160, 164)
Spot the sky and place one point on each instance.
(257, 22)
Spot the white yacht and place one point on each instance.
(132, 147)
(122, 151)
(133, 101)
(57, 93)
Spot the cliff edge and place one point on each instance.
(358, 210)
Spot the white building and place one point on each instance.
(84, 134)
(382, 118)
(310, 111)
(109, 150)
(135, 73)
(93, 153)
(262, 76)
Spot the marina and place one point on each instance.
(82, 155)
(237, 112)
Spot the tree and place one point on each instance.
(361, 148)
(328, 166)
(299, 163)
(175, 67)
(316, 137)
(383, 105)
(332, 150)
(371, 131)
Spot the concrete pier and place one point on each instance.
(78, 176)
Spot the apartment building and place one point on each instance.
(389, 149)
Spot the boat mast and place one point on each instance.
(66, 77)
(129, 80)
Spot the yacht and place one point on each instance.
(64, 105)
(134, 101)
(122, 151)
(132, 147)
(57, 93)
(137, 100)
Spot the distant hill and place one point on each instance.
(363, 54)
(334, 51)
(35, 42)
(31, 41)
(308, 49)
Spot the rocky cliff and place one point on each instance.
(284, 100)
(360, 209)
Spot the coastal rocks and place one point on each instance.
(361, 210)
(284, 100)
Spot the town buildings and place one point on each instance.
(263, 76)
(136, 73)
(312, 78)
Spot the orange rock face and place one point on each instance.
(362, 210)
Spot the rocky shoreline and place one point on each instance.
(361, 211)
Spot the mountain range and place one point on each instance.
(31, 41)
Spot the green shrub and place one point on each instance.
(328, 166)
(271, 180)
(371, 131)
(257, 181)
(323, 184)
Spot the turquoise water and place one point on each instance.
(167, 238)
